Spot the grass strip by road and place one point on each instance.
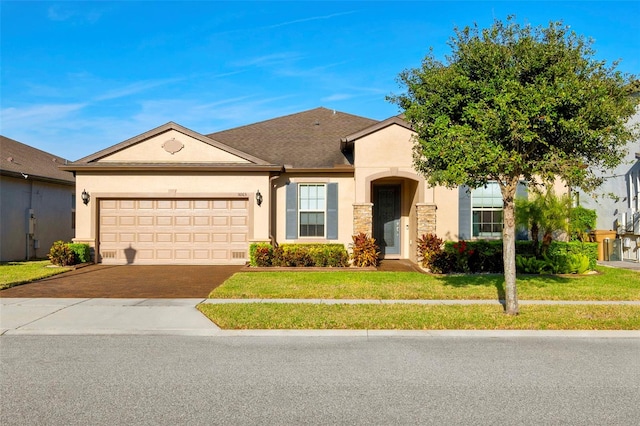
(607, 284)
(16, 273)
(276, 316)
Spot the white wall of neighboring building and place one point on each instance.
(617, 200)
(51, 205)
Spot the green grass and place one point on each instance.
(15, 273)
(421, 317)
(608, 284)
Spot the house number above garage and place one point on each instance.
(172, 146)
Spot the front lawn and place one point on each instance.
(15, 273)
(421, 317)
(608, 284)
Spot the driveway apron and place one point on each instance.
(129, 281)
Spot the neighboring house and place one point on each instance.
(617, 203)
(37, 201)
(172, 195)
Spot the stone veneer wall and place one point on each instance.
(426, 215)
(363, 218)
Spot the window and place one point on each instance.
(311, 208)
(486, 207)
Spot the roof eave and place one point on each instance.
(17, 175)
(199, 167)
(348, 140)
(310, 170)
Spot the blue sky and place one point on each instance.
(78, 77)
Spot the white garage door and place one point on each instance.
(173, 231)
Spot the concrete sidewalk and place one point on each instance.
(56, 316)
(103, 316)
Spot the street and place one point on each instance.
(170, 380)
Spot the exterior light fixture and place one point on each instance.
(258, 197)
(85, 197)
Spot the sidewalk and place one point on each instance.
(55, 316)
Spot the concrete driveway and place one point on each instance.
(128, 281)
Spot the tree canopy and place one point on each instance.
(514, 102)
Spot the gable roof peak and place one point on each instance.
(163, 129)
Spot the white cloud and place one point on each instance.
(313, 18)
(337, 97)
(269, 60)
(136, 87)
(36, 115)
(61, 13)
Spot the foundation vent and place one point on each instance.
(238, 255)
(109, 254)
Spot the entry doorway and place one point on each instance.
(386, 218)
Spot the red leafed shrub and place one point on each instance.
(365, 251)
(429, 245)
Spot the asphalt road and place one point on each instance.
(171, 380)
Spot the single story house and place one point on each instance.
(175, 196)
(37, 201)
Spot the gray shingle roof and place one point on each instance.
(308, 139)
(18, 159)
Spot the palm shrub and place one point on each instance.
(545, 213)
(365, 251)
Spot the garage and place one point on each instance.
(173, 231)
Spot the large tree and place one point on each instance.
(511, 103)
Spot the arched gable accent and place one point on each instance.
(398, 174)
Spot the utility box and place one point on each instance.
(599, 236)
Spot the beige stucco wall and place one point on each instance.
(387, 152)
(171, 185)
(151, 151)
(52, 207)
(346, 190)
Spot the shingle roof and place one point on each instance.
(18, 159)
(308, 139)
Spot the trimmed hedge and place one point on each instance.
(480, 256)
(298, 255)
(81, 252)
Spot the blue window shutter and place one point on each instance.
(292, 211)
(464, 213)
(522, 192)
(332, 211)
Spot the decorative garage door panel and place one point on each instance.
(174, 231)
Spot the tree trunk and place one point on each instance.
(509, 247)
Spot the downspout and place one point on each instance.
(271, 207)
(28, 221)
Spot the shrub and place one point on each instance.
(81, 252)
(529, 265)
(301, 255)
(333, 255)
(61, 254)
(428, 246)
(260, 254)
(365, 251)
(443, 262)
(578, 263)
(561, 249)
(485, 256)
(581, 221)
